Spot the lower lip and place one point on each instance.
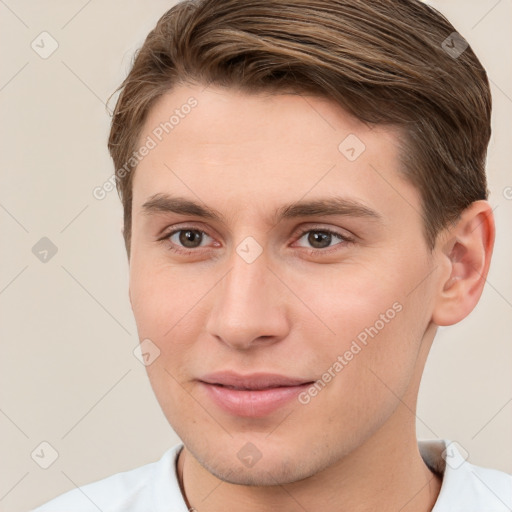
(252, 403)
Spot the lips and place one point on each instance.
(254, 395)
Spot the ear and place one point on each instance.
(466, 251)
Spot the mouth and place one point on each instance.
(254, 395)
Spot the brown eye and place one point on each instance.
(321, 239)
(185, 240)
(190, 238)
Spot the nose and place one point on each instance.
(249, 305)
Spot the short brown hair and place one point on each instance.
(384, 61)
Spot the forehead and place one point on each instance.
(237, 150)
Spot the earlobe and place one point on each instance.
(467, 250)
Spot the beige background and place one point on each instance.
(68, 375)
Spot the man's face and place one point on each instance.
(255, 291)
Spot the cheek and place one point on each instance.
(164, 314)
(161, 295)
(166, 304)
(349, 300)
(377, 326)
(363, 377)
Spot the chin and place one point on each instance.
(276, 465)
(268, 474)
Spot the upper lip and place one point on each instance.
(252, 381)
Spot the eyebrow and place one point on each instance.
(328, 206)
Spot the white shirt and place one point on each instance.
(154, 487)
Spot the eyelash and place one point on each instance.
(345, 240)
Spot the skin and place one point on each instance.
(353, 446)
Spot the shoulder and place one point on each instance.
(466, 487)
(152, 487)
(479, 488)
